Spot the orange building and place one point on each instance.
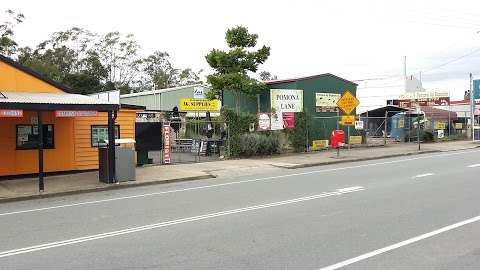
(71, 126)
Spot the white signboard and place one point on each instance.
(198, 93)
(286, 100)
(326, 102)
(425, 95)
(441, 133)
(359, 125)
(263, 121)
(277, 121)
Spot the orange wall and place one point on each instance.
(15, 80)
(14, 162)
(72, 137)
(86, 156)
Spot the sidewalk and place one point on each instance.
(26, 188)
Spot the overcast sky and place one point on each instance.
(354, 39)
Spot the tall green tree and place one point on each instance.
(161, 73)
(120, 56)
(232, 67)
(8, 46)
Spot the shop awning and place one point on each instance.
(53, 101)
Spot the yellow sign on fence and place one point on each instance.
(319, 144)
(355, 140)
(348, 102)
(440, 125)
(202, 105)
(347, 120)
(458, 125)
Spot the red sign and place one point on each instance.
(11, 113)
(167, 146)
(288, 119)
(75, 113)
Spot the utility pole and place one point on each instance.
(418, 131)
(405, 73)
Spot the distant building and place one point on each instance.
(163, 100)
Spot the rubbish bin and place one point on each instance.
(124, 161)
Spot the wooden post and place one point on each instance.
(385, 129)
(111, 148)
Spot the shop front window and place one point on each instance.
(100, 135)
(27, 137)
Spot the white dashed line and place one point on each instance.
(423, 175)
(473, 165)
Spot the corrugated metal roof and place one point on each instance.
(308, 78)
(159, 91)
(50, 98)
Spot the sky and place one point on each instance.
(361, 40)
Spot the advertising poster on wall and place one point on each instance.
(288, 120)
(276, 121)
(264, 122)
(286, 100)
(326, 102)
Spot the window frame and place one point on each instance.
(117, 127)
(17, 147)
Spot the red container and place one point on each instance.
(337, 138)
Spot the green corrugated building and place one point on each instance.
(320, 124)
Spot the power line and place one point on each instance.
(452, 61)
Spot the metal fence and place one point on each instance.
(393, 128)
(199, 140)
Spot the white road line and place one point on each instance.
(400, 244)
(229, 183)
(473, 165)
(173, 222)
(423, 175)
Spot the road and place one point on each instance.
(418, 212)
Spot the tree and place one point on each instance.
(119, 55)
(232, 68)
(267, 76)
(8, 46)
(161, 73)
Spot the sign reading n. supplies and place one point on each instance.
(202, 105)
(286, 100)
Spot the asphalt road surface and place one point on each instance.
(418, 212)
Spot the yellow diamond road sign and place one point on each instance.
(348, 102)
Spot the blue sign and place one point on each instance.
(476, 89)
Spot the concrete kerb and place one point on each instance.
(324, 163)
(105, 188)
(347, 160)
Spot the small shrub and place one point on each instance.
(252, 144)
(298, 135)
(427, 136)
(249, 144)
(238, 124)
